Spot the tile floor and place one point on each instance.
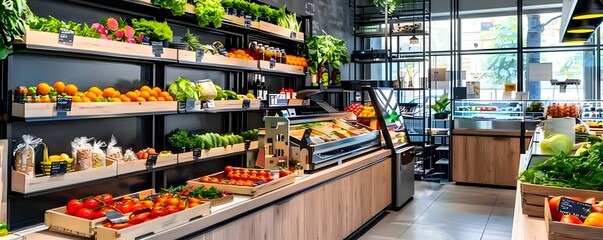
(449, 212)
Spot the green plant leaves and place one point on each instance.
(322, 49)
(210, 11)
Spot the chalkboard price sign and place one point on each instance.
(66, 36)
(116, 217)
(197, 152)
(573, 207)
(152, 160)
(58, 168)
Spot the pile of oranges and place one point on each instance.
(45, 93)
(296, 61)
(240, 54)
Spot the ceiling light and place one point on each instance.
(588, 10)
(574, 41)
(580, 30)
(414, 40)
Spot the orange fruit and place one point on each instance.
(123, 98)
(59, 86)
(169, 98)
(153, 93)
(164, 94)
(145, 95)
(71, 89)
(76, 99)
(45, 99)
(140, 99)
(115, 99)
(145, 88)
(108, 92)
(152, 99)
(131, 95)
(92, 96)
(116, 93)
(137, 93)
(97, 91)
(157, 90)
(43, 88)
(86, 99)
(160, 99)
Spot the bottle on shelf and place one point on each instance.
(278, 55)
(283, 57)
(261, 52)
(266, 53)
(256, 84)
(251, 85)
(264, 89)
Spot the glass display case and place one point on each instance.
(497, 114)
(389, 113)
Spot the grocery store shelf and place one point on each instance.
(393, 34)
(41, 112)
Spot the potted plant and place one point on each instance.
(340, 56)
(320, 50)
(391, 4)
(154, 31)
(441, 107)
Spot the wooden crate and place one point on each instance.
(38, 110)
(223, 200)
(163, 161)
(250, 191)
(130, 167)
(217, 152)
(278, 30)
(25, 184)
(241, 21)
(185, 56)
(224, 105)
(154, 226)
(98, 46)
(296, 102)
(567, 231)
(282, 67)
(532, 197)
(57, 220)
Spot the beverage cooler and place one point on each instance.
(387, 109)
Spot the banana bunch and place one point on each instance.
(580, 128)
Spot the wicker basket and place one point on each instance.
(46, 165)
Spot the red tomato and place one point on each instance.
(228, 169)
(139, 218)
(594, 219)
(119, 226)
(106, 198)
(73, 206)
(262, 179)
(570, 219)
(101, 212)
(158, 212)
(283, 173)
(171, 209)
(92, 203)
(264, 174)
(182, 205)
(230, 175)
(125, 207)
(554, 205)
(173, 201)
(85, 214)
(107, 224)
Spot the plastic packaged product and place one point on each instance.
(82, 152)
(207, 89)
(114, 153)
(130, 156)
(99, 157)
(25, 154)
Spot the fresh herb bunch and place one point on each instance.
(178, 7)
(580, 172)
(202, 192)
(153, 29)
(191, 40)
(289, 21)
(209, 11)
(54, 25)
(179, 139)
(322, 49)
(14, 15)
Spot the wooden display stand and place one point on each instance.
(155, 225)
(225, 105)
(278, 30)
(57, 219)
(250, 191)
(37, 39)
(141, 164)
(217, 152)
(22, 183)
(567, 231)
(185, 56)
(80, 109)
(532, 197)
(265, 65)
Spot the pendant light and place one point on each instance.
(588, 9)
(581, 26)
(413, 40)
(575, 40)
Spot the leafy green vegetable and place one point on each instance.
(14, 15)
(183, 89)
(179, 139)
(178, 7)
(289, 21)
(391, 4)
(209, 11)
(583, 172)
(153, 29)
(191, 40)
(211, 193)
(322, 49)
(441, 105)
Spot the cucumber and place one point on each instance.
(213, 140)
(206, 142)
(218, 140)
(225, 141)
(240, 139)
(231, 139)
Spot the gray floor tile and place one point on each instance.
(416, 232)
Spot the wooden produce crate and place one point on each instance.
(286, 68)
(532, 197)
(241, 21)
(296, 102)
(78, 109)
(250, 191)
(57, 220)
(217, 152)
(185, 56)
(163, 161)
(278, 30)
(225, 105)
(567, 231)
(25, 184)
(154, 226)
(47, 40)
(223, 200)
(141, 164)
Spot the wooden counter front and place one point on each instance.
(486, 156)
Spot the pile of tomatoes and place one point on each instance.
(595, 218)
(243, 177)
(93, 207)
(355, 108)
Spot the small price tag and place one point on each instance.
(293, 34)
(189, 104)
(197, 152)
(246, 103)
(135, 195)
(200, 54)
(272, 63)
(222, 51)
(152, 160)
(116, 217)
(66, 36)
(64, 104)
(247, 22)
(247, 144)
(152, 197)
(58, 168)
(282, 102)
(210, 104)
(157, 48)
(573, 207)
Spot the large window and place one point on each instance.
(489, 33)
(490, 71)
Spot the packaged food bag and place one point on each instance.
(98, 155)
(82, 153)
(25, 154)
(207, 89)
(130, 156)
(114, 153)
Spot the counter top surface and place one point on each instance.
(242, 204)
(491, 132)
